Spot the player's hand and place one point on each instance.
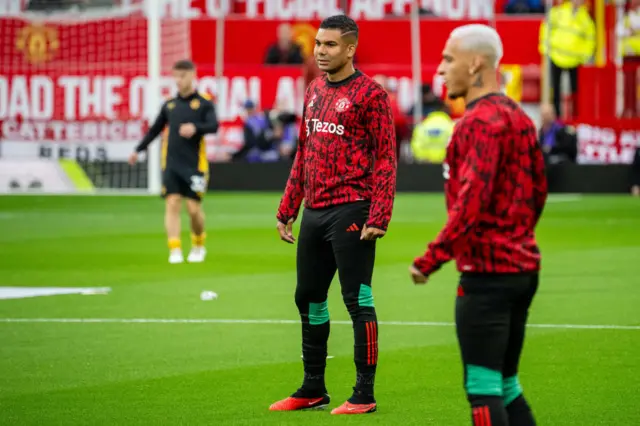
(133, 158)
(370, 233)
(187, 130)
(417, 276)
(286, 231)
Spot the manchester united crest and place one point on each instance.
(343, 104)
(38, 43)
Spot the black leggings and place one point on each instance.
(329, 241)
(491, 317)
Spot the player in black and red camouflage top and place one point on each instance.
(495, 193)
(345, 170)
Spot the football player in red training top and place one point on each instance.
(345, 170)
(495, 193)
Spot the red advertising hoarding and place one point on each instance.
(52, 91)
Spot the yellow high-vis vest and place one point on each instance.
(431, 137)
(631, 35)
(572, 36)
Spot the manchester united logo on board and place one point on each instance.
(343, 104)
(38, 43)
(305, 35)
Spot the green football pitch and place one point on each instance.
(151, 352)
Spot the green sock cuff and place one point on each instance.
(318, 313)
(511, 389)
(483, 381)
(365, 296)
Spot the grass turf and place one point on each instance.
(228, 373)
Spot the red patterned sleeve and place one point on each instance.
(383, 134)
(482, 144)
(294, 191)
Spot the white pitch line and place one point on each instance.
(282, 321)
(563, 198)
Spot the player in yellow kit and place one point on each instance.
(187, 117)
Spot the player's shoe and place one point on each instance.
(294, 403)
(349, 408)
(176, 256)
(197, 255)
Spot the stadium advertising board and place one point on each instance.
(608, 142)
(102, 115)
(317, 9)
(54, 104)
(385, 42)
(381, 41)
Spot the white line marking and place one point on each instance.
(292, 322)
(563, 198)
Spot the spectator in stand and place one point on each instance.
(268, 135)
(285, 131)
(559, 142)
(430, 103)
(629, 32)
(635, 174)
(65, 5)
(571, 44)
(259, 144)
(524, 6)
(285, 51)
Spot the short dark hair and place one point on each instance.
(342, 23)
(184, 65)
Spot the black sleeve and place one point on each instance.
(210, 123)
(249, 142)
(273, 56)
(154, 130)
(296, 55)
(287, 118)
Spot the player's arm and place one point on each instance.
(294, 190)
(383, 134)
(209, 123)
(153, 132)
(482, 144)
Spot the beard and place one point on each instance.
(335, 69)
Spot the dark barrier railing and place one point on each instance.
(566, 178)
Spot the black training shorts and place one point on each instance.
(188, 183)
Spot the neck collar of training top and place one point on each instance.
(189, 96)
(475, 101)
(343, 81)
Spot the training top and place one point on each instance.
(495, 188)
(178, 151)
(346, 150)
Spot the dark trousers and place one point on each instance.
(329, 241)
(491, 316)
(556, 78)
(635, 169)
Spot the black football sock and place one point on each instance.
(365, 331)
(315, 334)
(520, 413)
(488, 411)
